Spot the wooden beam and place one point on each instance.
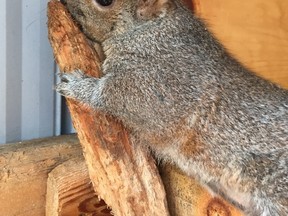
(70, 192)
(24, 168)
(124, 176)
(187, 197)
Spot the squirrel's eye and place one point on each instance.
(104, 2)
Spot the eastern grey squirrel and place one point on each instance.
(181, 94)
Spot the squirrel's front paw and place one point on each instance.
(72, 84)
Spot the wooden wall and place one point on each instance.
(255, 31)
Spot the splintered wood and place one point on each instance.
(124, 176)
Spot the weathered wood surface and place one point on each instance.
(124, 176)
(70, 192)
(24, 169)
(186, 197)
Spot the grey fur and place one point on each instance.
(180, 93)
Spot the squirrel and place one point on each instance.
(182, 95)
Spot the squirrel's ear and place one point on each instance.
(149, 9)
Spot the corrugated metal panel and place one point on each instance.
(2, 71)
(29, 108)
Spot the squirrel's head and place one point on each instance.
(101, 19)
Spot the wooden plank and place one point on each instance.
(70, 192)
(24, 169)
(124, 176)
(254, 31)
(187, 197)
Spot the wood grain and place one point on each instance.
(24, 168)
(70, 192)
(187, 197)
(124, 176)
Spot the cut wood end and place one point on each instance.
(69, 191)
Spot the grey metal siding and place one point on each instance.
(29, 108)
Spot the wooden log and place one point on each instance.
(124, 176)
(187, 197)
(24, 168)
(70, 192)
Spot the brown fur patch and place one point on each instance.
(149, 9)
(192, 146)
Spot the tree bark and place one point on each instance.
(125, 176)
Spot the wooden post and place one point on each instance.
(124, 176)
(24, 168)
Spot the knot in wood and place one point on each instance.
(217, 208)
